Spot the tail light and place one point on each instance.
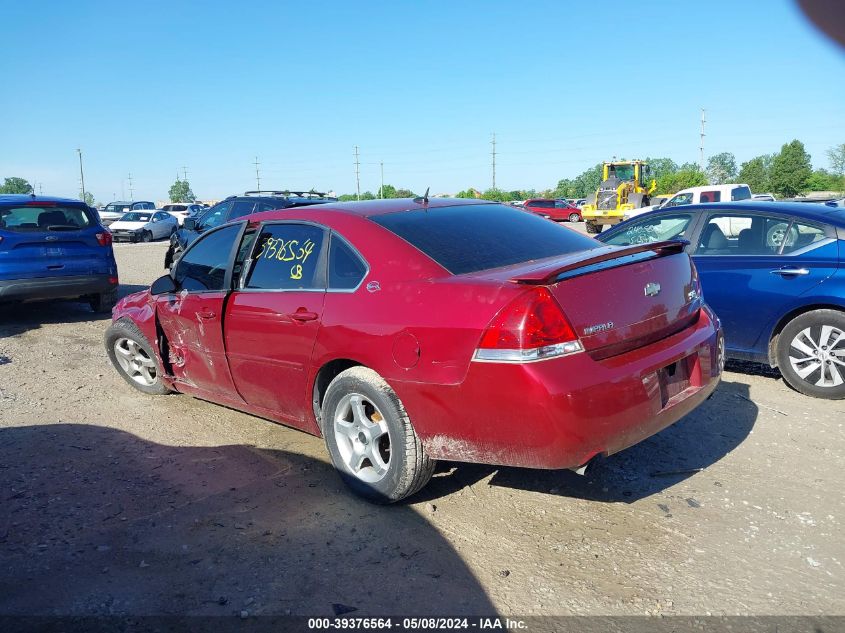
(104, 239)
(531, 327)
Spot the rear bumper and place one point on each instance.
(561, 413)
(54, 287)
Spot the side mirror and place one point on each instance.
(190, 224)
(163, 285)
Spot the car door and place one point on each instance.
(192, 317)
(754, 267)
(274, 315)
(158, 225)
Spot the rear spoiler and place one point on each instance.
(552, 271)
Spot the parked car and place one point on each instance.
(236, 207)
(333, 319)
(55, 248)
(181, 211)
(773, 272)
(557, 210)
(709, 193)
(763, 197)
(113, 211)
(144, 226)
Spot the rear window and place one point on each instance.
(741, 193)
(469, 238)
(174, 207)
(34, 218)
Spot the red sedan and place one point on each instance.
(557, 210)
(407, 331)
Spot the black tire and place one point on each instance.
(126, 330)
(147, 236)
(408, 468)
(103, 302)
(574, 217)
(823, 363)
(593, 228)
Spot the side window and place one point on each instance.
(241, 208)
(161, 215)
(266, 206)
(741, 193)
(288, 257)
(560, 205)
(216, 215)
(801, 235)
(203, 266)
(346, 270)
(746, 234)
(665, 227)
(679, 200)
(710, 196)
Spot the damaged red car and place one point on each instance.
(410, 331)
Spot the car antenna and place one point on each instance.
(424, 198)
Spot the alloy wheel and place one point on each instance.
(135, 362)
(362, 437)
(817, 354)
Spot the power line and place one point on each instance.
(357, 174)
(257, 174)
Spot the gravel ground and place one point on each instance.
(119, 503)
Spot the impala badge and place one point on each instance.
(598, 327)
(652, 289)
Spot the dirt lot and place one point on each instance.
(114, 502)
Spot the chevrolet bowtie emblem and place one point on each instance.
(652, 289)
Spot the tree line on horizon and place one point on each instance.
(785, 174)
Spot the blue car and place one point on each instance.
(55, 248)
(773, 273)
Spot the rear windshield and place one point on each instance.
(35, 218)
(117, 208)
(469, 238)
(136, 217)
(174, 207)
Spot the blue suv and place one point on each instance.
(55, 248)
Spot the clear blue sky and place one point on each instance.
(149, 87)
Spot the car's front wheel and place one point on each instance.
(811, 354)
(593, 228)
(370, 438)
(146, 236)
(133, 357)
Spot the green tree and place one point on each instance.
(836, 155)
(16, 185)
(791, 169)
(823, 180)
(661, 167)
(367, 195)
(181, 192)
(721, 168)
(89, 198)
(347, 197)
(496, 194)
(688, 176)
(404, 193)
(755, 173)
(466, 193)
(387, 191)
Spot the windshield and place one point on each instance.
(117, 208)
(36, 218)
(469, 238)
(135, 217)
(622, 172)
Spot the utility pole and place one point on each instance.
(40, 189)
(184, 173)
(81, 173)
(131, 191)
(381, 163)
(701, 145)
(494, 160)
(357, 174)
(257, 175)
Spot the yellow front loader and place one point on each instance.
(624, 186)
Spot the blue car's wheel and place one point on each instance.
(811, 354)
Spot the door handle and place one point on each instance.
(787, 272)
(303, 315)
(206, 314)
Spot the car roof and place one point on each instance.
(17, 198)
(369, 208)
(803, 210)
(727, 185)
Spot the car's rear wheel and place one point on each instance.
(133, 357)
(811, 354)
(103, 302)
(370, 438)
(574, 217)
